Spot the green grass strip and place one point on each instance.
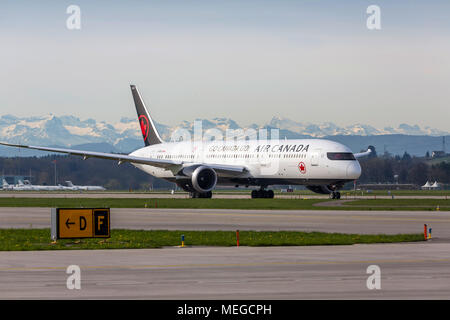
(39, 239)
(161, 203)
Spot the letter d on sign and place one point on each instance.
(74, 280)
(374, 281)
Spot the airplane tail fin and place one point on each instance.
(69, 183)
(20, 182)
(5, 184)
(149, 132)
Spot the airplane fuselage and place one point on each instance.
(268, 162)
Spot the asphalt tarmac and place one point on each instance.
(407, 271)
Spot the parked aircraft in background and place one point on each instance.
(322, 166)
(27, 186)
(71, 186)
(18, 187)
(6, 185)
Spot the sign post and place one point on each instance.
(75, 223)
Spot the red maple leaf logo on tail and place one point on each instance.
(143, 120)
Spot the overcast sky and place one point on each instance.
(312, 61)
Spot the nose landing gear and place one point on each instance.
(335, 195)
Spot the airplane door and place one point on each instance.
(315, 156)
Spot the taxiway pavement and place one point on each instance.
(408, 271)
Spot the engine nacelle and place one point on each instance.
(320, 189)
(204, 179)
(200, 179)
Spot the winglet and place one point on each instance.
(148, 129)
(370, 150)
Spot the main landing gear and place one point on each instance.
(335, 195)
(261, 193)
(200, 195)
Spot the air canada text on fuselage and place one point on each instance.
(261, 148)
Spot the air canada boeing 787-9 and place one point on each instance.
(322, 166)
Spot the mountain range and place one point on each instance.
(125, 135)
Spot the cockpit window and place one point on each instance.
(340, 156)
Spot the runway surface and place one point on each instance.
(365, 222)
(408, 271)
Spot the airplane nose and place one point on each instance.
(353, 170)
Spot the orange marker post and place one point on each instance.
(425, 230)
(237, 238)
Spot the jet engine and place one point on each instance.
(203, 179)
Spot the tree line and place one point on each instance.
(403, 169)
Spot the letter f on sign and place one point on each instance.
(100, 222)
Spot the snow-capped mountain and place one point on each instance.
(50, 130)
(330, 129)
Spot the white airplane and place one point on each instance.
(6, 185)
(322, 166)
(71, 186)
(21, 186)
(27, 186)
(14, 187)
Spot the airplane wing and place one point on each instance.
(161, 163)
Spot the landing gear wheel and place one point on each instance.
(200, 195)
(335, 195)
(258, 194)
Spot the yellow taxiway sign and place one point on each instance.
(80, 223)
